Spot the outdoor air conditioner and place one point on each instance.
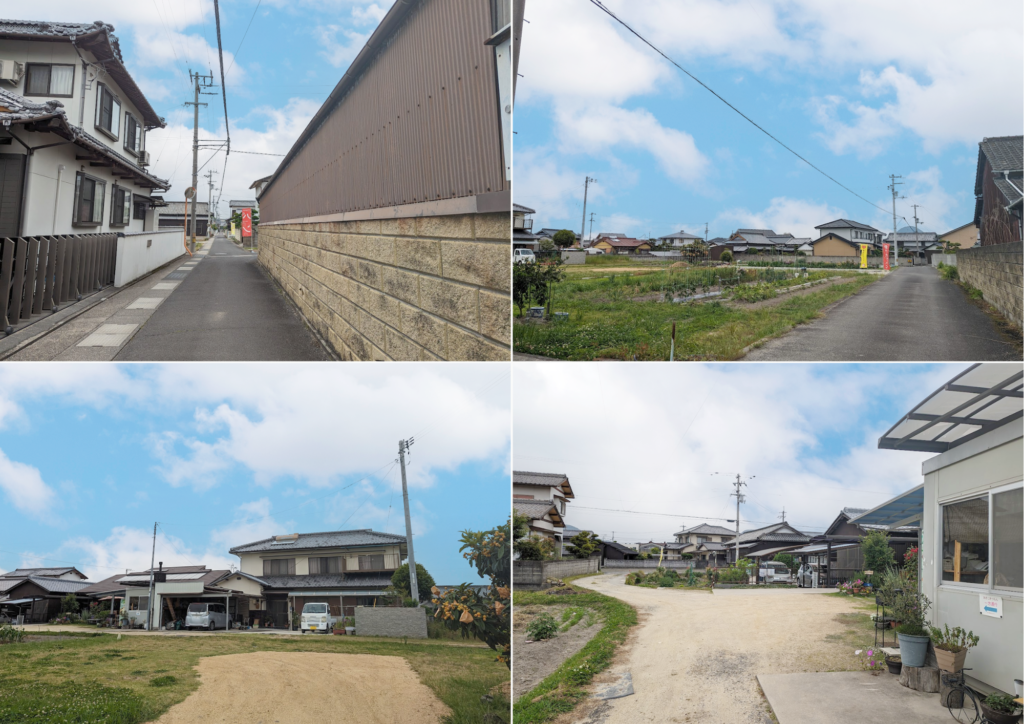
(11, 71)
(144, 158)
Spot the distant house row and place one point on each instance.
(275, 577)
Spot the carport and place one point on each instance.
(172, 599)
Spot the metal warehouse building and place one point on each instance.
(388, 222)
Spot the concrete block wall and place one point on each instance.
(391, 621)
(424, 288)
(998, 271)
(532, 575)
(649, 563)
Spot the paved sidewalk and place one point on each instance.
(911, 315)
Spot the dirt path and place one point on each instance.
(536, 660)
(695, 655)
(305, 688)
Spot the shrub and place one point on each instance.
(792, 563)
(424, 581)
(667, 582)
(11, 635)
(1001, 703)
(164, 681)
(727, 256)
(878, 556)
(949, 273)
(754, 293)
(954, 640)
(542, 627)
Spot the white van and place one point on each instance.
(774, 572)
(317, 617)
(523, 256)
(210, 616)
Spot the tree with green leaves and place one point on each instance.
(532, 282)
(424, 581)
(69, 604)
(564, 238)
(878, 556)
(726, 256)
(485, 616)
(583, 544)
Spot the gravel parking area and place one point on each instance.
(695, 655)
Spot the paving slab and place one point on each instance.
(840, 697)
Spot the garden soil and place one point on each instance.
(695, 655)
(266, 687)
(536, 660)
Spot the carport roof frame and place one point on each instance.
(904, 509)
(978, 400)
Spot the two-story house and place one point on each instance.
(705, 542)
(843, 237)
(73, 126)
(542, 498)
(344, 569)
(522, 228)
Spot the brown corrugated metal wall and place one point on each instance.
(421, 124)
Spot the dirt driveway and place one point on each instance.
(695, 655)
(265, 687)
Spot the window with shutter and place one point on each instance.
(49, 79)
(108, 111)
(88, 201)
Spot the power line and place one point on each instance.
(244, 35)
(598, 4)
(260, 153)
(223, 85)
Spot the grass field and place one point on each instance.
(96, 678)
(615, 315)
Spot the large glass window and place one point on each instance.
(132, 134)
(120, 206)
(88, 208)
(47, 79)
(325, 565)
(1008, 539)
(108, 111)
(965, 542)
(279, 567)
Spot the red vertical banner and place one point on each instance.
(885, 257)
(246, 222)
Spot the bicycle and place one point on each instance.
(960, 699)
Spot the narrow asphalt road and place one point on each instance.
(224, 309)
(912, 315)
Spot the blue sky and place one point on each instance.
(292, 56)
(804, 436)
(863, 90)
(220, 455)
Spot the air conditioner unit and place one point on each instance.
(11, 71)
(144, 158)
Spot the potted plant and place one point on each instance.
(951, 646)
(1000, 709)
(910, 607)
(350, 625)
(894, 663)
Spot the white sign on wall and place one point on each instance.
(991, 605)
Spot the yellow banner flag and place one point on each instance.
(863, 256)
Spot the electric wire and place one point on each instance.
(600, 5)
(244, 35)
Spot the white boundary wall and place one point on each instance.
(141, 252)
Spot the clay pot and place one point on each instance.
(998, 717)
(894, 663)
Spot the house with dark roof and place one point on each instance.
(610, 549)
(522, 228)
(621, 245)
(344, 569)
(764, 241)
(831, 244)
(998, 190)
(842, 539)
(915, 241)
(679, 239)
(74, 125)
(69, 573)
(853, 231)
(37, 598)
(767, 541)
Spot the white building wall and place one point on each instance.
(999, 656)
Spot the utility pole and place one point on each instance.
(198, 81)
(591, 226)
(149, 603)
(705, 232)
(917, 241)
(403, 448)
(586, 184)
(209, 202)
(895, 195)
(782, 515)
(740, 497)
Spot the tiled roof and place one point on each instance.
(846, 224)
(762, 232)
(779, 532)
(329, 539)
(326, 581)
(46, 572)
(98, 38)
(51, 585)
(1004, 153)
(623, 242)
(523, 209)
(548, 480)
(619, 547)
(178, 207)
(834, 235)
(680, 235)
(22, 111)
(707, 529)
(713, 546)
(537, 509)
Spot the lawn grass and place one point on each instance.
(564, 689)
(96, 678)
(606, 322)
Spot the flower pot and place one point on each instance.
(350, 630)
(998, 717)
(338, 631)
(894, 663)
(913, 649)
(950, 661)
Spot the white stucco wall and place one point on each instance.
(956, 475)
(140, 253)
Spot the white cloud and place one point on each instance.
(553, 189)
(339, 53)
(802, 430)
(252, 522)
(623, 223)
(25, 488)
(796, 216)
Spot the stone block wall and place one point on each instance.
(637, 565)
(391, 621)
(424, 288)
(532, 575)
(998, 271)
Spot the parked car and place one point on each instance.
(806, 575)
(774, 572)
(210, 616)
(317, 617)
(592, 250)
(525, 256)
